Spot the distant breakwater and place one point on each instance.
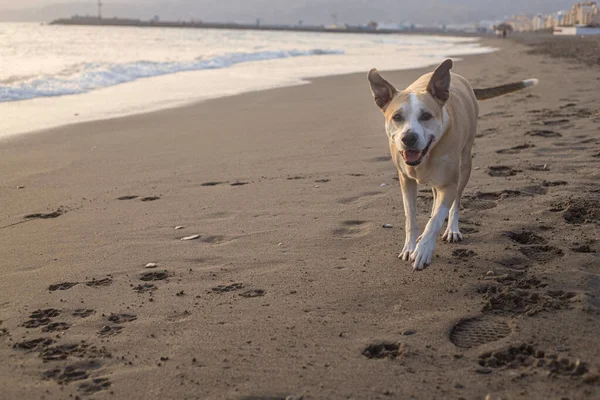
(91, 21)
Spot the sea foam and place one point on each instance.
(89, 76)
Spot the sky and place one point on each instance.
(285, 11)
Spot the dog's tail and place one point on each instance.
(490, 93)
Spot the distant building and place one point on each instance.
(586, 13)
(538, 22)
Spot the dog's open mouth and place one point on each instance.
(414, 157)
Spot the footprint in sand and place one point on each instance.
(379, 350)
(215, 183)
(120, 318)
(355, 199)
(239, 184)
(150, 198)
(468, 230)
(539, 167)
(525, 359)
(83, 313)
(99, 282)
(214, 239)
(227, 288)
(516, 149)
(543, 133)
(33, 344)
(127, 197)
(56, 327)
(62, 286)
(94, 386)
(510, 300)
(554, 122)
(463, 253)
(154, 276)
(147, 287)
(80, 350)
(45, 313)
(525, 237)
(486, 132)
(52, 215)
(583, 249)
(487, 200)
(579, 211)
(253, 293)
(481, 201)
(381, 159)
(41, 318)
(542, 254)
(108, 330)
(477, 331)
(73, 372)
(352, 228)
(554, 183)
(501, 171)
(496, 114)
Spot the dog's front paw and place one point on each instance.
(452, 236)
(407, 251)
(423, 254)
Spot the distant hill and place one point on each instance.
(291, 11)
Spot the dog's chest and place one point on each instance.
(421, 175)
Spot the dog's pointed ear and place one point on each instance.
(382, 90)
(439, 84)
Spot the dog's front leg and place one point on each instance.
(423, 253)
(409, 200)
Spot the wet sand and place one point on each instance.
(293, 287)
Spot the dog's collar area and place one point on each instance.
(422, 155)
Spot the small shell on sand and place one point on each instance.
(151, 265)
(193, 237)
(387, 226)
(179, 227)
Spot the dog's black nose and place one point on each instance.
(410, 139)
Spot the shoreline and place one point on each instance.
(73, 108)
(293, 288)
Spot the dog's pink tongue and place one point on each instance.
(411, 155)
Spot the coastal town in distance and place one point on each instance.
(582, 19)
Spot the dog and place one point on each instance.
(431, 127)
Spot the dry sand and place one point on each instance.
(293, 287)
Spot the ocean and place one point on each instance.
(56, 75)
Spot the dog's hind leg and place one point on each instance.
(452, 233)
(409, 200)
(434, 192)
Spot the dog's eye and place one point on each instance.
(426, 116)
(398, 118)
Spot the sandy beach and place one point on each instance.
(293, 287)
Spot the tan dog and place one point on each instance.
(431, 126)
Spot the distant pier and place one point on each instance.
(95, 21)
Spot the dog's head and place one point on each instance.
(414, 121)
